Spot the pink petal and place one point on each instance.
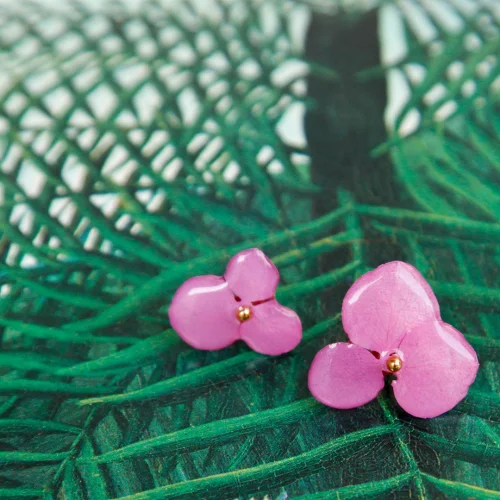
(438, 369)
(252, 276)
(272, 329)
(203, 312)
(345, 376)
(384, 304)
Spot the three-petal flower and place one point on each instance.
(211, 312)
(392, 319)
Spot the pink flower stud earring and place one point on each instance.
(211, 312)
(392, 319)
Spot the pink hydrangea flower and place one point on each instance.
(392, 319)
(211, 312)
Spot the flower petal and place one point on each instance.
(252, 276)
(272, 329)
(438, 369)
(203, 313)
(345, 376)
(384, 304)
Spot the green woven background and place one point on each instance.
(146, 142)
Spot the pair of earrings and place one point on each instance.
(390, 315)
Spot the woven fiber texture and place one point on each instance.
(143, 143)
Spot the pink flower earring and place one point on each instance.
(211, 312)
(392, 319)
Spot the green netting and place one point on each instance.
(143, 144)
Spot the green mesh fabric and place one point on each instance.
(143, 143)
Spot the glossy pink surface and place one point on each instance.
(272, 321)
(385, 304)
(203, 313)
(393, 310)
(204, 309)
(440, 367)
(345, 376)
(252, 276)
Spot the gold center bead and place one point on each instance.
(394, 364)
(244, 313)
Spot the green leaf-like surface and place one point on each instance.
(142, 146)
